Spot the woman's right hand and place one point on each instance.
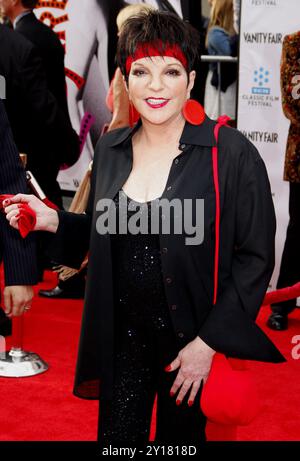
(46, 218)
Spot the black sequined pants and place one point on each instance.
(143, 348)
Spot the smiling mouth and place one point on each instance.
(156, 103)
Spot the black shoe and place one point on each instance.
(277, 322)
(62, 293)
(5, 324)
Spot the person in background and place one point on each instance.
(221, 40)
(51, 52)
(150, 324)
(289, 273)
(18, 254)
(41, 129)
(46, 41)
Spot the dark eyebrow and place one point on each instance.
(168, 65)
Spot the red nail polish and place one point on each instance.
(178, 402)
(168, 368)
(172, 393)
(190, 403)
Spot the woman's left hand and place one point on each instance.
(194, 362)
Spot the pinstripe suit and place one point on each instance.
(40, 128)
(18, 254)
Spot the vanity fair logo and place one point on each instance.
(261, 136)
(263, 37)
(164, 216)
(2, 87)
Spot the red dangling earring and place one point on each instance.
(193, 112)
(133, 115)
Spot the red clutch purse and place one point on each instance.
(230, 394)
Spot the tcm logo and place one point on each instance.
(2, 87)
(261, 79)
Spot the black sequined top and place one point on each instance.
(138, 282)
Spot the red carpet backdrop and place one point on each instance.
(42, 408)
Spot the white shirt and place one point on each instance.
(20, 16)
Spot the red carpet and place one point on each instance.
(43, 407)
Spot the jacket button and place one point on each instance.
(165, 250)
(176, 160)
(168, 280)
(174, 307)
(180, 334)
(169, 187)
(182, 146)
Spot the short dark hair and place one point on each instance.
(157, 27)
(29, 3)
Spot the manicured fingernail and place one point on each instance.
(178, 402)
(168, 368)
(190, 403)
(172, 393)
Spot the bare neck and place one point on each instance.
(162, 136)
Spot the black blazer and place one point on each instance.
(246, 251)
(17, 253)
(40, 128)
(52, 53)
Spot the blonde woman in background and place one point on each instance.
(221, 40)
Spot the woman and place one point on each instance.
(221, 40)
(150, 323)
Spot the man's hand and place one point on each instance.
(194, 362)
(17, 299)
